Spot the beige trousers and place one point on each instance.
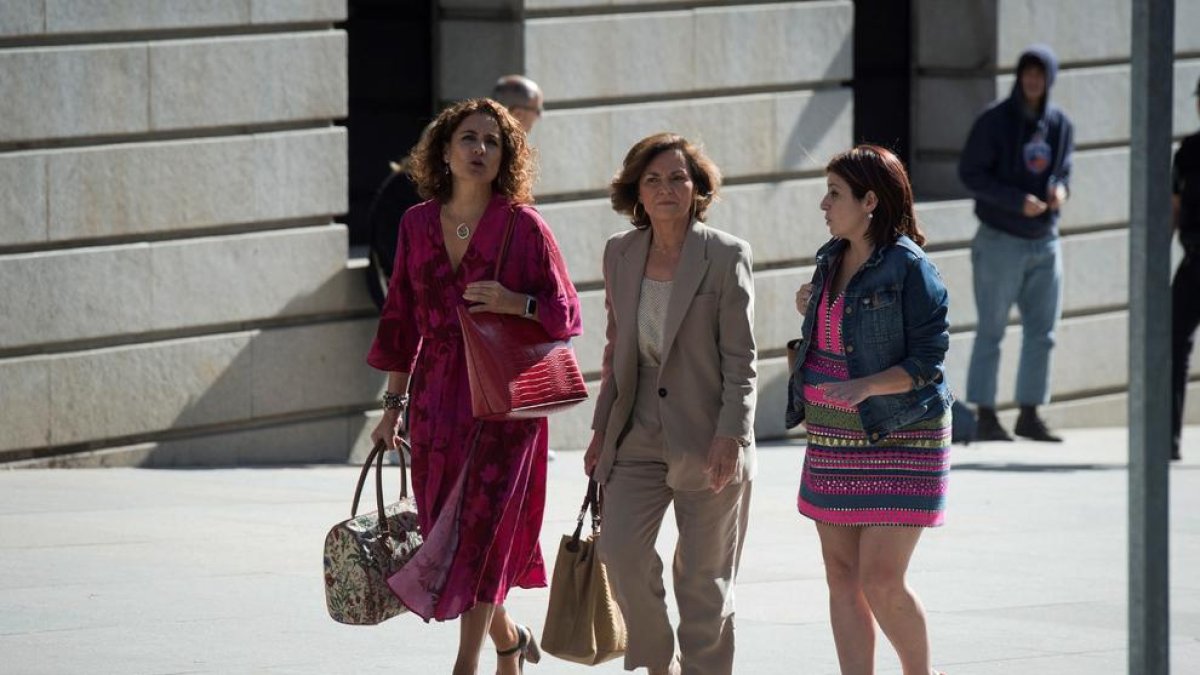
(711, 527)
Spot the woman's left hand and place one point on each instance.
(850, 392)
(490, 296)
(724, 462)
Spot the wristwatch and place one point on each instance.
(530, 307)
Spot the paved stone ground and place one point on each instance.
(136, 571)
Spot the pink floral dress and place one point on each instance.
(482, 536)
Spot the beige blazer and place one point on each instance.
(707, 377)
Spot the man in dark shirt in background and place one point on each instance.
(1185, 290)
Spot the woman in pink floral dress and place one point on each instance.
(473, 167)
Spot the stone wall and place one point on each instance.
(173, 288)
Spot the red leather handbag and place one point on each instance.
(516, 370)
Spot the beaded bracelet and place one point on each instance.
(394, 401)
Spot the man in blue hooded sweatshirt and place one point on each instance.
(1017, 163)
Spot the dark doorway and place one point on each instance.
(391, 93)
(883, 74)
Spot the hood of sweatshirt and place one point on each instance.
(1043, 55)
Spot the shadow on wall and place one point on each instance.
(818, 117)
(289, 394)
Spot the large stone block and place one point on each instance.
(759, 45)
(307, 441)
(581, 228)
(1187, 17)
(70, 92)
(259, 276)
(100, 16)
(319, 440)
(793, 132)
(574, 151)
(596, 57)
(1099, 189)
(297, 11)
(947, 107)
(1097, 30)
(605, 56)
(813, 128)
(232, 378)
(24, 402)
(983, 35)
(1187, 75)
(948, 222)
(22, 199)
(150, 187)
(126, 391)
(935, 177)
(179, 185)
(301, 174)
(60, 296)
(248, 80)
(22, 17)
(782, 220)
(564, 5)
(589, 347)
(462, 73)
(775, 317)
(1096, 271)
(56, 17)
(955, 34)
(317, 367)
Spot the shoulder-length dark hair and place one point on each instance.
(873, 168)
(624, 187)
(431, 174)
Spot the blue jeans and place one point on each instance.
(1028, 272)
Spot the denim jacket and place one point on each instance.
(895, 314)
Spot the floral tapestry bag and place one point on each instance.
(362, 552)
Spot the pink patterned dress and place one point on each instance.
(481, 533)
(900, 480)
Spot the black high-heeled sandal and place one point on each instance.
(527, 646)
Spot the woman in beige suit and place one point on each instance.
(674, 417)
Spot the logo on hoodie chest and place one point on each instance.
(1036, 154)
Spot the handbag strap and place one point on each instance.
(508, 230)
(376, 456)
(594, 501)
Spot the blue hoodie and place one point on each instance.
(1010, 154)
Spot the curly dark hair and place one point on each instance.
(874, 168)
(429, 171)
(624, 187)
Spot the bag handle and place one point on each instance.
(594, 499)
(376, 455)
(508, 230)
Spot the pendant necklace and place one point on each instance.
(463, 231)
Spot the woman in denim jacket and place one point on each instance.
(869, 386)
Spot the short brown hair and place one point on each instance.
(431, 174)
(874, 168)
(624, 187)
